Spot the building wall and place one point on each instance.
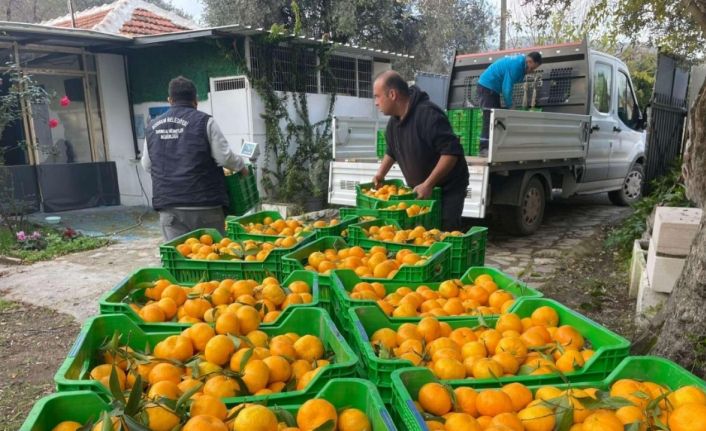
(118, 130)
(151, 69)
(241, 119)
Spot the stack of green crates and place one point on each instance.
(467, 124)
(242, 192)
(381, 144)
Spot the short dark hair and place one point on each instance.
(182, 89)
(394, 81)
(536, 57)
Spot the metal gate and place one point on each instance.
(667, 115)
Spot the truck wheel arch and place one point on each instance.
(507, 190)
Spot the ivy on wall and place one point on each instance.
(151, 69)
(297, 151)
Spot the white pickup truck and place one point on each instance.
(588, 138)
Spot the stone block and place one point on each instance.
(638, 266)
(674, 230)
(662, 271)
(649, 302)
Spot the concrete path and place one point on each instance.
(567, 223)
(72, 284)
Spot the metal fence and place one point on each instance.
(668, 109)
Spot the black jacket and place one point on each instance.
(418, 140)
(184, 173)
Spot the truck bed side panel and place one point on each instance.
(534, 136)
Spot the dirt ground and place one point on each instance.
(35, 340)
(33, 343)
(594, 282)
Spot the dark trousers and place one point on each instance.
(177, 222)
(488, 100)
(451, 209)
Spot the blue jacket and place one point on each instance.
(502, 75)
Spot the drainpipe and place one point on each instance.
(135, 146)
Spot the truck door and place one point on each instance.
(628, 135)
(603, 121)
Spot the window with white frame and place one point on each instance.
(344, 76)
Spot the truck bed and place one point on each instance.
(529, 136)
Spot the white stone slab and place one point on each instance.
(675, 229)
(638, 266)
(662, 271)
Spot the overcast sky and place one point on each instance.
(192, 7)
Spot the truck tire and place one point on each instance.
(631, 191)
(525, 219)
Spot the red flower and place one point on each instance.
(53, 123)
(64, 101)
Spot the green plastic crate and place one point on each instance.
(467, 124)
(436, 268)
(344, 280)
(74, 371)
(235, 229)
(340, 229)
(117, 300)
(192, 270)
(242, 192)
(364, 201)
(78, 406)
(609, 347)
(84, 406)
(408, 381)
(430, 220)
(466, 250)
(380, 144)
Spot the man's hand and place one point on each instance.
(423, 191)
(377, 180)
(245, 171)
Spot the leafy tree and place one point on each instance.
(671, 25)
(431, 29)
(452, 25)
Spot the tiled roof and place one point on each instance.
(144, 22)
(87, 21)
(126, 17)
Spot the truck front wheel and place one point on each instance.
(631, 191)
(525, 219)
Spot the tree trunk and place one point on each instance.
(679, 330)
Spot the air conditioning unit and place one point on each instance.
(228, 83)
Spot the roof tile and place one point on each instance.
(144, 22)
(85, 21)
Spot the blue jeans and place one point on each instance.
(489, 99)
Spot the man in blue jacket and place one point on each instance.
(499, 78)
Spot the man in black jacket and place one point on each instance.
(185, 153)
(419, 138)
